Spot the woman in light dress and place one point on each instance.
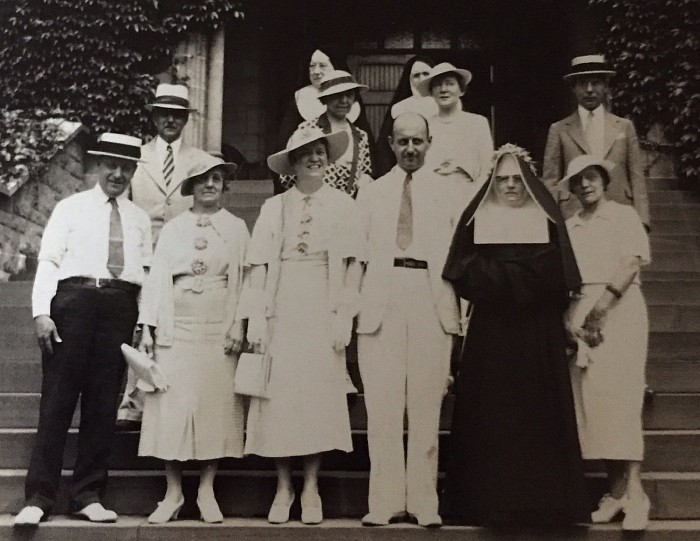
(188, 306)
(301, 299)
(609, 322)
(462, 146)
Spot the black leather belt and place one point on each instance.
(113, 283)
(409, 263)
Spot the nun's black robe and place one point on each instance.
(514, 453)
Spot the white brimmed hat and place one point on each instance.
(118, 145)
(579, 163)
(206, 164)
(171, 97)
(337, 81)
(337, 145)
(591, 64)
(444, 67)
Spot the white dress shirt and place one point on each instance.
(595, 134)
(76, 243)
(162, 149)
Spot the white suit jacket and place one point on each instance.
(148, 188)
(435, 217)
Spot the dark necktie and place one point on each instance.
(168, 166)
(115, 259)
(404, 229)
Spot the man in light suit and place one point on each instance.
(408, 318)
(165, 163)
(593, 130)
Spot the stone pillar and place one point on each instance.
(200, 60)
(215, 92)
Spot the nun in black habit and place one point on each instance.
(514, 449)
(407, 98)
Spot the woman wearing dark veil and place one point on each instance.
(407, 98)
(515, 455)
(305, 105)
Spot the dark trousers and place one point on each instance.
(92, 323)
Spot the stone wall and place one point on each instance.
(24, 215)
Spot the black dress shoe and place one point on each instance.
(127, 425)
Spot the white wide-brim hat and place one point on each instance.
(118, 145)
(203, 166)
(337, 81)
(444, 67)
(171, 97)
(591, 64)
(337, 145)
(579, 163)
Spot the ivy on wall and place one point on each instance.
(654, 45)
(91, 61)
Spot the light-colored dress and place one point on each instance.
(465, 140)
(609, 392)
(191, 297)
(303, 240)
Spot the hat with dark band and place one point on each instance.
(337, 81)
(591, 64)
(118, 145)
(171, 97)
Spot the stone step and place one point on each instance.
(133, 528)
(245, 494)
(662, 197)
(665, 451)
(658, 183)
(668, 344)
(661, 246)
(675, 211)
(669, 411)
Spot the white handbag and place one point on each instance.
(253, 375)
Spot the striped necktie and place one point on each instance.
(115, 259)
(168, 166)
(404, 229)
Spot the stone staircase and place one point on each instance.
(245, 487)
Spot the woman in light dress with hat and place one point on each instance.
(610, 324)
(300, 303)
(462, 146)
(189, 303)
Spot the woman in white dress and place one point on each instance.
(462, 146)
(302, 297)
(609, 322)
(189, 303)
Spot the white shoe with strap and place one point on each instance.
(608, 509)
(29, 516)
(636, 513)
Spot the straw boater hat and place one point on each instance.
(171, 97)
(579, 163)
(204, 165)
(591, 64)
(337, 145)
(444, 67)
(337, 81)
(118, 145)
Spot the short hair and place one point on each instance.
(425, 120)
(577, 178)
(293, 155)
(439, 78)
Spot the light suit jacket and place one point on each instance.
(435, 217)
(148, 188)
(565, 141)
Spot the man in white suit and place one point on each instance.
(165, 163)
(408, 318)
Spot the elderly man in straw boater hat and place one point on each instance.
(591, 129)
(94, 250)
(166, 161)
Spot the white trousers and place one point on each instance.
(404, 367)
